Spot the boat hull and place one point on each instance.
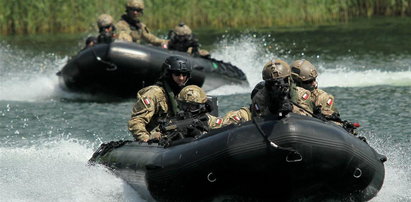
(314, 159)
(121, 69)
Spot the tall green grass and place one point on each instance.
(71, 16)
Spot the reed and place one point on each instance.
(72, 16)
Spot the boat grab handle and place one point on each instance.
(357, 173)
(293, 156)
(111, 66)
(211, 178)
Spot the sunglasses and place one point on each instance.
(140, 10)
(106, 27)
(309, 81)
(178, 73)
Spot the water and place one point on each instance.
(47, 135)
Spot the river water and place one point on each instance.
(47, 135)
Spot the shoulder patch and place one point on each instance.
(330, 101)
(305, 96)
(147, 102)
(218, 121)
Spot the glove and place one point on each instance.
(155, 135)
(141, 137)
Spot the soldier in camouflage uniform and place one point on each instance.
(304, 75)
(131, 29)
(278, 94)
(106, 29)
(157, 102)
(194, 100)
(182, 39)
(275, 95)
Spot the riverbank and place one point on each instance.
(51, 16)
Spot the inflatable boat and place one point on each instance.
(266, 159)
(122, 68)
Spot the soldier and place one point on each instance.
(193, 99)
(131, 29)
(182, 39)
(90, 42)
(304, 75)
(273, 96)
(158, 102)
(278, 94)
(106, 29)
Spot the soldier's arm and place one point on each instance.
(214, 122)
(151, 38)
(326, 102)
(123, 31)
(302, 100)
(143, 111)
(237, 116)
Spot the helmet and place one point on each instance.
(276, 69)
(135, 4)
(193, 94)
(303, 70)
(176, 64)
(104, 20)
(182, 29)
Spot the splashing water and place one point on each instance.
(56, 171)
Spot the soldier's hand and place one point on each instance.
(165, 44)
(142, 138)
(155, 135)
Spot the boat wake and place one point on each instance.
(30, 77)
(58, 171)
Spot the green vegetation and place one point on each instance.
(71, 16)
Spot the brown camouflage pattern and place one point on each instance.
(303, 98)
(151, 106)
(214, 122)
(237, 116)
(304, 101)
(325, 101)
(125, 33)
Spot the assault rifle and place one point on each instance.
(281, 90)
(181, 127)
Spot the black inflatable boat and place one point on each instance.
(274, 160)
(122, 68)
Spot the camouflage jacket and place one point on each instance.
(135, 31)
(301, 99)
(151, 107)
(237, 116)
(325, 102)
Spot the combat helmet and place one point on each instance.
(304, 73)
(104, 20)
(177, 64)
(139, 4)
(193, 94)
(192, 99)
(182, 29)
(276, 69)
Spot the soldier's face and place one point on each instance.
(134, 13)
(180, 79)
(310, 85)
